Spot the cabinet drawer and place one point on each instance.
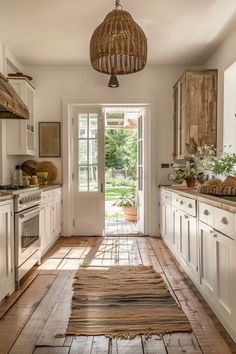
(206, 213)
(175, 200)
(190, 206)
(224, 222)
(165, 196)
(46, 196)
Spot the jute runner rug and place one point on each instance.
(122, 302)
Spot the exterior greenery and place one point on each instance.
(121, 150)
(126, 200)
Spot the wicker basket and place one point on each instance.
(218, 191)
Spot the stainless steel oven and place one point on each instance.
(27, 233)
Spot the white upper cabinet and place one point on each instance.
(21, 133)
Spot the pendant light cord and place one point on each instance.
(118, 5)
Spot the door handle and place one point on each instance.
(102, 187)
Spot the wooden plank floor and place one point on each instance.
(34, 320)
(120, 226)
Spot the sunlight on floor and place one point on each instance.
(107, 251)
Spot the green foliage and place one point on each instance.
(121, 150)
(113, 193)
(126, 200)
(190, 172)
(223, 164)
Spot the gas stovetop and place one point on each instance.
(17, 189)
(12, 186)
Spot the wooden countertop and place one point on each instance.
(205, 198)
(4, 198)
(49, 187)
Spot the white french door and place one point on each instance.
(88, 171)
(140, 191)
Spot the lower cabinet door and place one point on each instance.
(225, 275)
(207, 260)
(192, 260)
(7, 281)
(163, 219)
(176, 229)
(169, 226)
(183, 249)
(46, 229)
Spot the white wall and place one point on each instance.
(223, 57)
(153, 84)
(229, 125)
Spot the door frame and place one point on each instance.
(67, 148)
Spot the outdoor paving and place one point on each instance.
(116, 224)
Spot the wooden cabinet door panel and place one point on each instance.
(195, 111)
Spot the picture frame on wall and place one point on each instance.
(49, 139)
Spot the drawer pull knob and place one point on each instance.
(181, 202)
(190, 206)
(186, 216)
(206, 212)
(224, 221)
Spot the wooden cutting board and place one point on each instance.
(30, 166)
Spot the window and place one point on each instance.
(88, 152)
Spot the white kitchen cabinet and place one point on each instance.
(218, 273)
(7, 278)
(225, 276)
(163, 219)
(204, 244)
(56, 212)
(21, 133)
(207, 260)
(46, 227)
(166, 217)
(50, 218)
(176, 219)
(190, 230)
(183, 244)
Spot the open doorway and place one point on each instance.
(123, 171)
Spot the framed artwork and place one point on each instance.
(49, 139)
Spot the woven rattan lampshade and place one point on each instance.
(118, 45)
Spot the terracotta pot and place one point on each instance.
(191, 183)
(130, 213)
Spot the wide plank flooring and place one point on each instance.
(34, 319)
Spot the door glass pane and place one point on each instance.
(93, 151)
(83, 178)
(93, 125)
(83, 125)
(93, 178)
(83, 152)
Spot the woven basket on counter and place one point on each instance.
(218, 190)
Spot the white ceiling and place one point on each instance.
(57, 32)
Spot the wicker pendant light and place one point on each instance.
(118, 45)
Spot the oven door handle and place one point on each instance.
(32, 211)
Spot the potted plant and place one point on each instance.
(128, 203)
(190, 173)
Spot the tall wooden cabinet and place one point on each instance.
(195, 112)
